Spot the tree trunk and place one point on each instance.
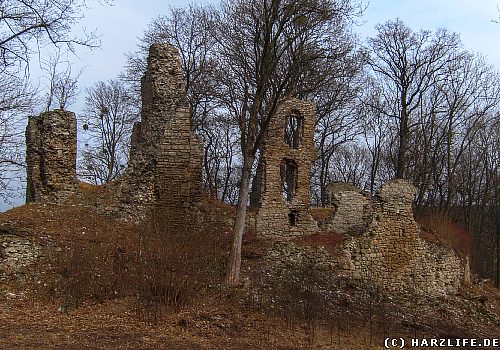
(403, 145)
(257, 184)
(323, 173)
(451, 190)
(234, 263)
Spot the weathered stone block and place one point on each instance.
(51, 156)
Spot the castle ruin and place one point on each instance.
(51, 156)
(391, 254)
(165, 167)
(287, 156)
(351, 208)
(382, 240)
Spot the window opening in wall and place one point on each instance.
(293, 216)
(288, 174)
(293, 130)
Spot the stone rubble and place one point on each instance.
(382, 244)
(17, 254)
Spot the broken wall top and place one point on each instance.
(277, 143)
(51, 156)
(397, 196)
(165, 166)
(163, 92)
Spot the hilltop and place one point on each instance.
(139, 263)
(89, 281)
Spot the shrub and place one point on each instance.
(158, 267)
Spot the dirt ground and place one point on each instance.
(32, 318)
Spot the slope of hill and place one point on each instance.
(75, 279)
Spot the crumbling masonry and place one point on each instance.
(164, 170)
(351, 208)
(165, 167)
(286, 159)
(383, 246)
(388, 254)
(392, 255)
(381, 240)
(51, 156)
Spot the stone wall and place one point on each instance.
(17, 252)
(286, 160)
(351, 208)
(392, 255)
(389, 254)
(164, 177)
(165, 167)
(51, 156)
(164, 172)
(386, 251)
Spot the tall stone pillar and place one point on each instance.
(51, 156)
(287, 156)
(165, 167)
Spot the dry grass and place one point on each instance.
(89, 257)
(86, 187)
(124, 286)
(217, 204)
(208, 324)
(440, 227)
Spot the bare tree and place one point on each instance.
(269, 50)
(220, 158)
(408, 64)
(471, 90)
(26, 26)
(63, 82)
(17, 98)
(338, 119)
(376, 132)
(436, 107)
(350, 164)
(109, 116)
(190, 31)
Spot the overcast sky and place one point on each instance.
(120, 26)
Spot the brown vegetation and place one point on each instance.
(320, 214)
(109, 285)
(328, 240)
(440, 227)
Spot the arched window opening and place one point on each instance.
(288, 170)
(293, 217)
(293, 130)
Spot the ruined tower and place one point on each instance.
(286, 160)
(51, 156)
(165, 167)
